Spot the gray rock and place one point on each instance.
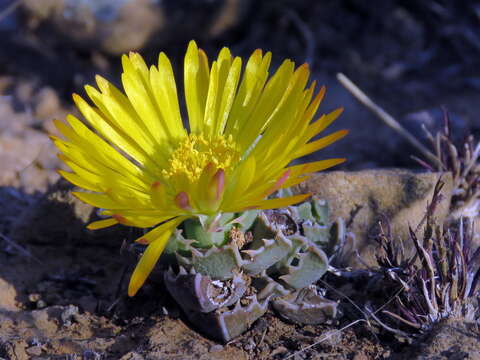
(371, 195)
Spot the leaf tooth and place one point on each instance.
(253, 253)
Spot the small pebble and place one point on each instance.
(216, 348)
(360, 356)
(91, 355)
(47, 103)
(41, 304)
(34, 297)
(279, 350)
(249, 346)
(34, 350)
(132, 356)
(68, 314)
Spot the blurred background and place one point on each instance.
(411, 57)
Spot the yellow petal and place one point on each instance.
(321, 124)
(294, 181)
(137, 219)
(320, 143)
(99, 200)
(272, 93)
(165, 92)
(141, 100)
(277, 134)
(79, 181)
(196, 77)
(100, 224)
(108, 130)
(229, 77)
(315, 166)
(281, 202)
(89, 140)
(212, 97)
(252, 83)
(117, 109)
(161, 234)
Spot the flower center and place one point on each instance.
(195, 152)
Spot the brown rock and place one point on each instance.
(27, 156)
(400, 195)
(14, 349)
(46, 103)
(225, 354)
(34, 350)
(11, 121)
(43, 321)
(170, 336)
(216, 348)
(360, 356)
(132, 355)
(27, 161)
(116, 27)
(450, 340)
(8, 295)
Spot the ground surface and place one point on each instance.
(62, 289)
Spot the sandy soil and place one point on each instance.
(63, 288)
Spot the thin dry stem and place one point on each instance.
(388, 119)
(20, 248)
(9, 9)
(326, 337)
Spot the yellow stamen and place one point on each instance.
(197, 151)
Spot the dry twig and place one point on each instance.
(384, 116)
(9, 9)
(20, 248)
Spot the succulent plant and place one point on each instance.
(228, 268)
(463, 161)
(440, 280)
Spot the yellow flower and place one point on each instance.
(143, 167)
